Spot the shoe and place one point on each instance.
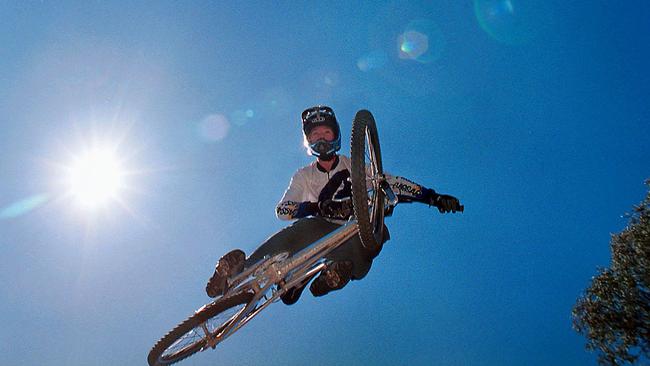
(334, 277)
(293, 294)
(231, 264)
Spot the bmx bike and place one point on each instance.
(264, 282)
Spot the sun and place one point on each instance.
(95, 178)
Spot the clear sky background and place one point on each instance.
(533, 113)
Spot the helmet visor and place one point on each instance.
(317, 116)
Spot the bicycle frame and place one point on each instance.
(271, 273)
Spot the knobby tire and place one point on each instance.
(364, 133)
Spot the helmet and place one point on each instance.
(321, 115)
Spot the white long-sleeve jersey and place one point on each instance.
(308, 182)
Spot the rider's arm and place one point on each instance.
(295, 201)
(409, 191)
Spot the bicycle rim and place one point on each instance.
(366, 175)
(191, 335)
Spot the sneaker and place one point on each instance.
(231, 264)
(293, 294)
(334, 277)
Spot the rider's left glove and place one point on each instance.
(447, 203)
(444, 202)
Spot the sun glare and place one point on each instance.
(95, 178)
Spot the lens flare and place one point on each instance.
(24, 206)
(214, 127)
(510, 21)
(421, 41)
(412, 45)
(373, 60)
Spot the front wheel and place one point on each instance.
(367, 177)
(192, 335)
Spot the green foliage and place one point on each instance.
(614, 312)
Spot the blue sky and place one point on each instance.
(533, 113)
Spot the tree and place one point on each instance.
(614, 311)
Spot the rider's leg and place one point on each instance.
(293, 238)
(303, 233)
(290, 239)
(352, 250)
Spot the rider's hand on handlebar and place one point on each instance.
(446, 203)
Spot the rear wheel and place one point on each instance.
(367, 177)
(191, 335)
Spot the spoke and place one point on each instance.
(205, 329)
(370, 163)
(217, 324)
(373, 161)
(210, 329)
(376, 211)
(189, 339)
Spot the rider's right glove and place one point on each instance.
(444, 202)
(339, 209)
(337, 187)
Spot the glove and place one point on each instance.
(335, 209)
(446, 203)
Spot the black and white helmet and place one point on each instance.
(321, 115)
